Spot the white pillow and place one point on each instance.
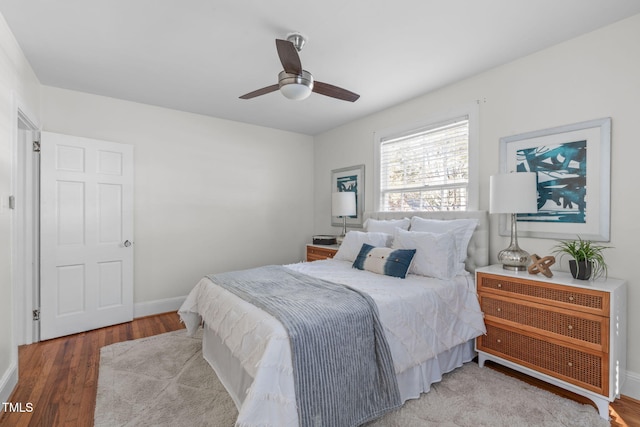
(435, 252)
(461, 228)
(387, 225)
(353, 241)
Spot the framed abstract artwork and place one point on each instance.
(573, 166)
(349, 179)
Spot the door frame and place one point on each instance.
(25, 235)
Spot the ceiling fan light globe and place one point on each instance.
(295, 91)
(296, 86)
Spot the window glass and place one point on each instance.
(426, 169)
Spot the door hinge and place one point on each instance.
(36, 315)
(36, 146)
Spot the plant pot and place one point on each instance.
(580, 269)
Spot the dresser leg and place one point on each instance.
(603, 407)
(481, 360)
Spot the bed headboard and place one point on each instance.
(478, 250)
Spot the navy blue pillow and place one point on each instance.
(391, 262)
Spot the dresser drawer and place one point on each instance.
(315, 253)
(579, 299)
(572, 365)
(578, 328)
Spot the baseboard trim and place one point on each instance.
(631, 386)
(149, 308)
(8, 383)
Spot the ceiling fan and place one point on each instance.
(293, 81)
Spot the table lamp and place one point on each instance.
(343, 204)
(513, 193)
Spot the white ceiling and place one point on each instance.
(201, 55)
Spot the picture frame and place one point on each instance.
(349, 179)
(573, 166)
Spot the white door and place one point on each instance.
(86, 208)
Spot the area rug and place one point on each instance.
(164, 381)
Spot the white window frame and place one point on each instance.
(468, 110)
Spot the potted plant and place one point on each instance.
(588, 259)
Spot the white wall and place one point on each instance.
(211, 195)
(18, 87)
(590, 77)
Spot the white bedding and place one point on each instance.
(423, 318)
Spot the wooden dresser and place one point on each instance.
(568, 332)
(316, 252)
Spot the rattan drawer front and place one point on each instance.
(568, 364)
(590, 300)
(570, 325)
(315, 253)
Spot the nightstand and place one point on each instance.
(568, 332)
(317, 252)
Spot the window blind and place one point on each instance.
(426, 169)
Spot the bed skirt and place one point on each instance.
(412, 382)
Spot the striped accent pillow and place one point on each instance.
(391, 262)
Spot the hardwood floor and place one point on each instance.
(59, 377)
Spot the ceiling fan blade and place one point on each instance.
(289, 56)
(259, 92)
(334, 91)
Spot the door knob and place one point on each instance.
(127, 243)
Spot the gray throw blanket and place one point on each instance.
(342, 367)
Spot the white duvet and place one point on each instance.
(422, 318)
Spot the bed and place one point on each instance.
(429, 325)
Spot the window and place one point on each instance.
(427, 168)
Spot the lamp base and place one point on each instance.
(340, 237)
(513, 258)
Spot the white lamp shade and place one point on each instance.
(513, 193)
(343, 203)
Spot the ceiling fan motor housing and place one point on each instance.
(295, 86)
(297, 39)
